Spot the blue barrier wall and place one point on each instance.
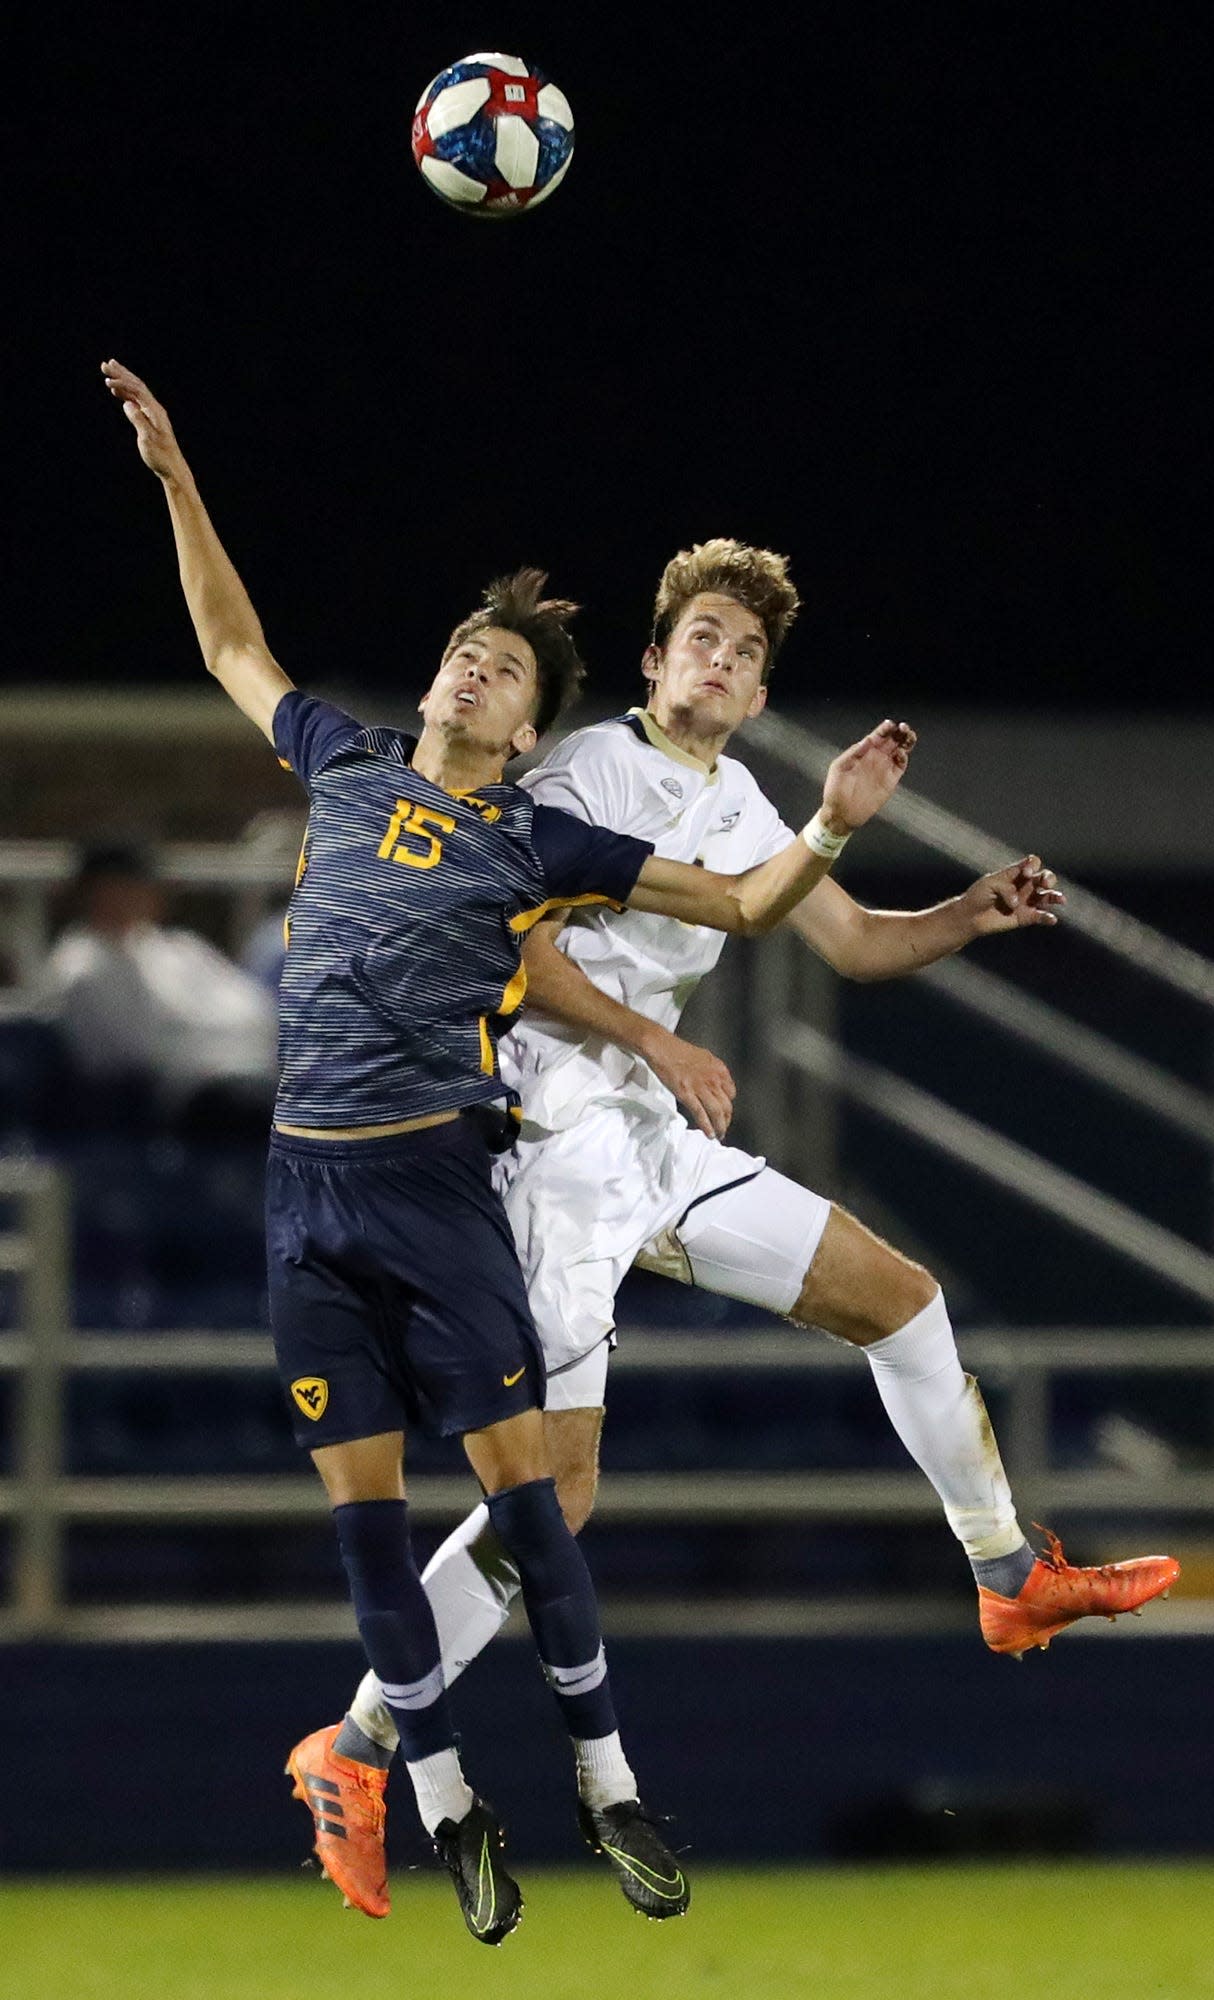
(151, 1757)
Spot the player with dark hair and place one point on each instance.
(395, 1288)
(513, 604)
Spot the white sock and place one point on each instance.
(939, 1414)
(370, 1713)
(440, 1789)
(471, 1583)
(604, 1776)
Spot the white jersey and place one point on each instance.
(627, 775)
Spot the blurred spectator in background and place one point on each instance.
(265, 950)
(275, 837)
(156, 1018)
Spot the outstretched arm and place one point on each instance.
(885, 944)
(857, 785)
(855, 942)
(229, 630)
(560, 989)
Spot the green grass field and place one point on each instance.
(1069, 1932)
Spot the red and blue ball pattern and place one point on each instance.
(492, 136)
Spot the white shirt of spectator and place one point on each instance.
(163, 1002)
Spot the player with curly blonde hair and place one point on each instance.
(757, 579)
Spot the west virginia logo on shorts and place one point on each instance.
(311, 1392)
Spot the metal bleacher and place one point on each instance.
(1066, 1398)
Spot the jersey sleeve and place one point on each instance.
(586, 776)
(772, 834)
(585, 863)
(308, 732)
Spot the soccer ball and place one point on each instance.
(492, 136)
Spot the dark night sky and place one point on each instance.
(914, 294)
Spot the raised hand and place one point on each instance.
(861, 779)
(701, 1081)
(1025, 892)
(228, 629)
(158, 448)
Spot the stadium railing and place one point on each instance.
(39, 1501)
(794, 1045)
(1166, 959)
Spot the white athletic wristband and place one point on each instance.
(820, 841)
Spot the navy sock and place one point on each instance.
(1005, 1574)
(561, 1605)
(395, 1621)
(351, 1741)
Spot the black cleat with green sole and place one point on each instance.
(471, 1849)
(643, 1865)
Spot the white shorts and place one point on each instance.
(623, 1188)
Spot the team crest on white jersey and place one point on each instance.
(672, 785)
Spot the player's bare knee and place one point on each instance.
(920, 1287)
(577, 1492)
(572, 1438)
(858, 1286)
(361, 1469)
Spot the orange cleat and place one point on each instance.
(1055, 1594)
(348, 1810)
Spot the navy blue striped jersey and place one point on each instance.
(406, 927)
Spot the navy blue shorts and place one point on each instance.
(395, 1290)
